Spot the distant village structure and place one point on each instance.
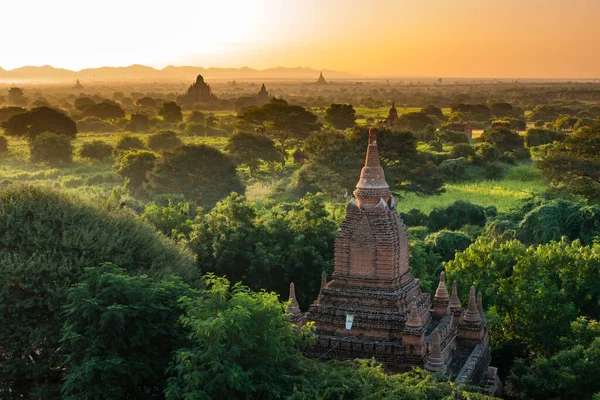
(321, 80)
(374, 307)
(198, 92)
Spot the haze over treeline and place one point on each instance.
(470, 38)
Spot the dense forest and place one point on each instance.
(147, 242)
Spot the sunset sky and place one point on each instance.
(447, 38)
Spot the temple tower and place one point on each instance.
(321, 80)
(263, 96)
(373, 306)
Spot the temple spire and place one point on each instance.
(294, 307)
(435, 361)
(371, 176)
(323, 280)
(414, 320)
(454, 300)
(442, 291)
(472, 313)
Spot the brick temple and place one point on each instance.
(373, 306)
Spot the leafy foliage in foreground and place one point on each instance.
(47, 241)
(242, 346)
(267, 249)
(119, 333)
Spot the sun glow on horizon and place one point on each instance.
(471, 38)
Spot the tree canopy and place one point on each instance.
(39, 120)
(199, 172)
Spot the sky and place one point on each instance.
(428, 38)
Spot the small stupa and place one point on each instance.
(78, 85)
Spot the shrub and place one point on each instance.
(456, 215)
(462, 150)
(414, 218)
(195, 128)
(493, 170)
(503, 138)
(450, 136)
(134, 167)
(136, 338)
(165, 140)
(128, 142)
(51, 148)
(539, 136)
(3, 145)
(418, 232)
(96, 150)
(446, 243)
(202, 173)
(436, 145)
(488, 152)
(94, 124)
(453, 168)
(72, 182)
(42, 256)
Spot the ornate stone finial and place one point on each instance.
(393, 105)
(414, 320)
(442, 291)
(435, 361)
(294, 307)
(323, 280)
(480, 306)
(454, 300)
(472, 314)
(371, 176)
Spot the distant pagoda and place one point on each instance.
(392, 115)
(78, 85)
(321, 80)
(263, 96)
(373, 307)
(198, 92)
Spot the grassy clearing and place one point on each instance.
(506, 194)
(83, 178)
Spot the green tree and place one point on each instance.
(134, 168)
(340, 116)
(16, 97)
(502, 110)
(252, 149)
(171, 112)
(119, 333)
(241, 346)
(414, 121)
(267, 249)
(104, 110)
(96, 150)
(129, 142)
(503, 138)
(201, 173)
(165, 140)
(51, 148)
(433, 111)
(335, 159)
(42, 256)
(574, 165)
(569, 373)
(39, 120)
(565, 123)
(281, 121)
(7, 112)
